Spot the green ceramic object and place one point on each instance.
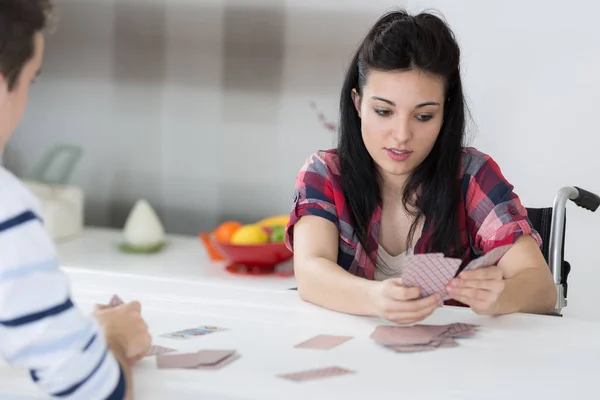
(127, 248)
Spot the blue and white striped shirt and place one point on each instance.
(40, 328)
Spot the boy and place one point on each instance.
(70, 355)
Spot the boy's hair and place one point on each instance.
(20, 20)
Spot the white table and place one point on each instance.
(184, 258)
(511, 357)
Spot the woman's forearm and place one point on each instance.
(324, 283)
(527, 292)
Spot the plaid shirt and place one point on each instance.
(491, 213)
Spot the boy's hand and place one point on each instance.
(124, 326)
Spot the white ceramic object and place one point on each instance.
(61, 208)
(143, 227)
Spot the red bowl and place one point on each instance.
(252, 256)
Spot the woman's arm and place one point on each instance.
(320, 279)
(522, 281)
(529, 283)
(324, 283)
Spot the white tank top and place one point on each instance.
(392, 266)
(389, 266)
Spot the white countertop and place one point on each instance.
(184, 258)
(511, 357)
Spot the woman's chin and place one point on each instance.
(396, 172)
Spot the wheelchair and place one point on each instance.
(550, 223)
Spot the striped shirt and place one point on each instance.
(40, 328)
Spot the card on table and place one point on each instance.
(318, 373)
(158, 350)
(460, 330)
(203, 359)
(413, 348)
(421, 337)
(391, 335)
(437, 343)
(220, 364)
(323, 342)
(430, 272)
(193, 332)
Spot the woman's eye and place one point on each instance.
(424, 117)
(383, 112)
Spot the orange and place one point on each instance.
(226, 230)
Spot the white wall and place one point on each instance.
(532, 77)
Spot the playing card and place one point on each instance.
(488, 259)
(158, 350)
(440, 342)
(448, 342)
(413, 348)
(460, 330)
(464, 334)
(323, 342)
(430, 273)
(430, 255)
(202, 358)
(115, 301)
(180, 360)
(193, 332)
(222, 363)
(316, 374)
(391, 335)
(211, 357)
(409, 339)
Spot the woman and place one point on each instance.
(401, 182)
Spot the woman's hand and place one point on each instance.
(479, 289)
(399, 304)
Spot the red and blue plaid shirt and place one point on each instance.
(491, 214)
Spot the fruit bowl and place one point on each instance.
(257, 259)
(250, 249)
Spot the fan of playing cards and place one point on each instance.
(431, 272)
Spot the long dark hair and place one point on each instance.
(400, 41)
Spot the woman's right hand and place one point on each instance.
(400, 304)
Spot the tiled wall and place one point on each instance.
(201, 107)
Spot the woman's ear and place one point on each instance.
(356, 101)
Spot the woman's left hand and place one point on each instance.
(479, 289)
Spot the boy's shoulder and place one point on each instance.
(15, 197)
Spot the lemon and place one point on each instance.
(250, 234)
(274, 220)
